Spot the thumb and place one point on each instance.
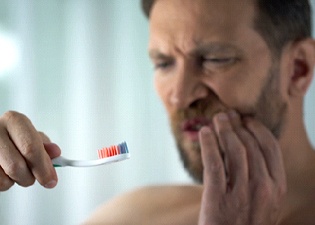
(52, 150)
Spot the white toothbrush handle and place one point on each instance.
(62, 162)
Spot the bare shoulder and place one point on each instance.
(151, 205)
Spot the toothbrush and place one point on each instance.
(105, 155)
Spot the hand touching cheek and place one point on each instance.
(244, 177)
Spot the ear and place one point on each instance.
(302, 72)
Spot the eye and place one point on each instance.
(225, 60)
(162, 65)
(217, 62)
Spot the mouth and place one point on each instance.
(191, 127)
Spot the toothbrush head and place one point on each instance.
(113, 150)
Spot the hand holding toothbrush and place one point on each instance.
(25, 153)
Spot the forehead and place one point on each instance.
(188, 22)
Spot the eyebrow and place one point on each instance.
(206, 48)
(201, 49)
(156, 54)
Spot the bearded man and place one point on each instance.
(232, 76)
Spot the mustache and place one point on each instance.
(207, 108)
(202, 108)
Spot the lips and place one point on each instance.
(191, 127)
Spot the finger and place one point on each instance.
(256, 164)
(235, 153)
(44, 137)
(269, 147)
(30, 144)
(5, 182)
(214, 172)
(52, 150)
(13, 163)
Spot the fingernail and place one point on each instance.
(51, 184)
(204, 133)
(222, 116)
(205, 130)
(233, 114)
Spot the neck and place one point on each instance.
(298, 153)
(299, 157)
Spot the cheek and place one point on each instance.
(163, 91)
(238, 90)
(241, 86)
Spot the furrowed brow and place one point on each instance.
(207, 48)
(156, 54)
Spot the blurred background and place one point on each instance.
(79, 70)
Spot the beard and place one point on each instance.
(270, 109)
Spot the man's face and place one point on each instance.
(208, 58)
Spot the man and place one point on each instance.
(232, 76)
(238, 69)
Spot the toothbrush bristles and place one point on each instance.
(113, 150)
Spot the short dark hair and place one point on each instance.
(277, 21)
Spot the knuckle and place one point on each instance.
(14, 169)
(215, 167)
(282, 190)
(252, 144)
(28, 149)
(240, 149)
(263, 191)
(212, 172)
(241, 200)
(44, 137)
(5, 184)
(224, 133)
(12, 116)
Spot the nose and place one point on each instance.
(187, 87)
